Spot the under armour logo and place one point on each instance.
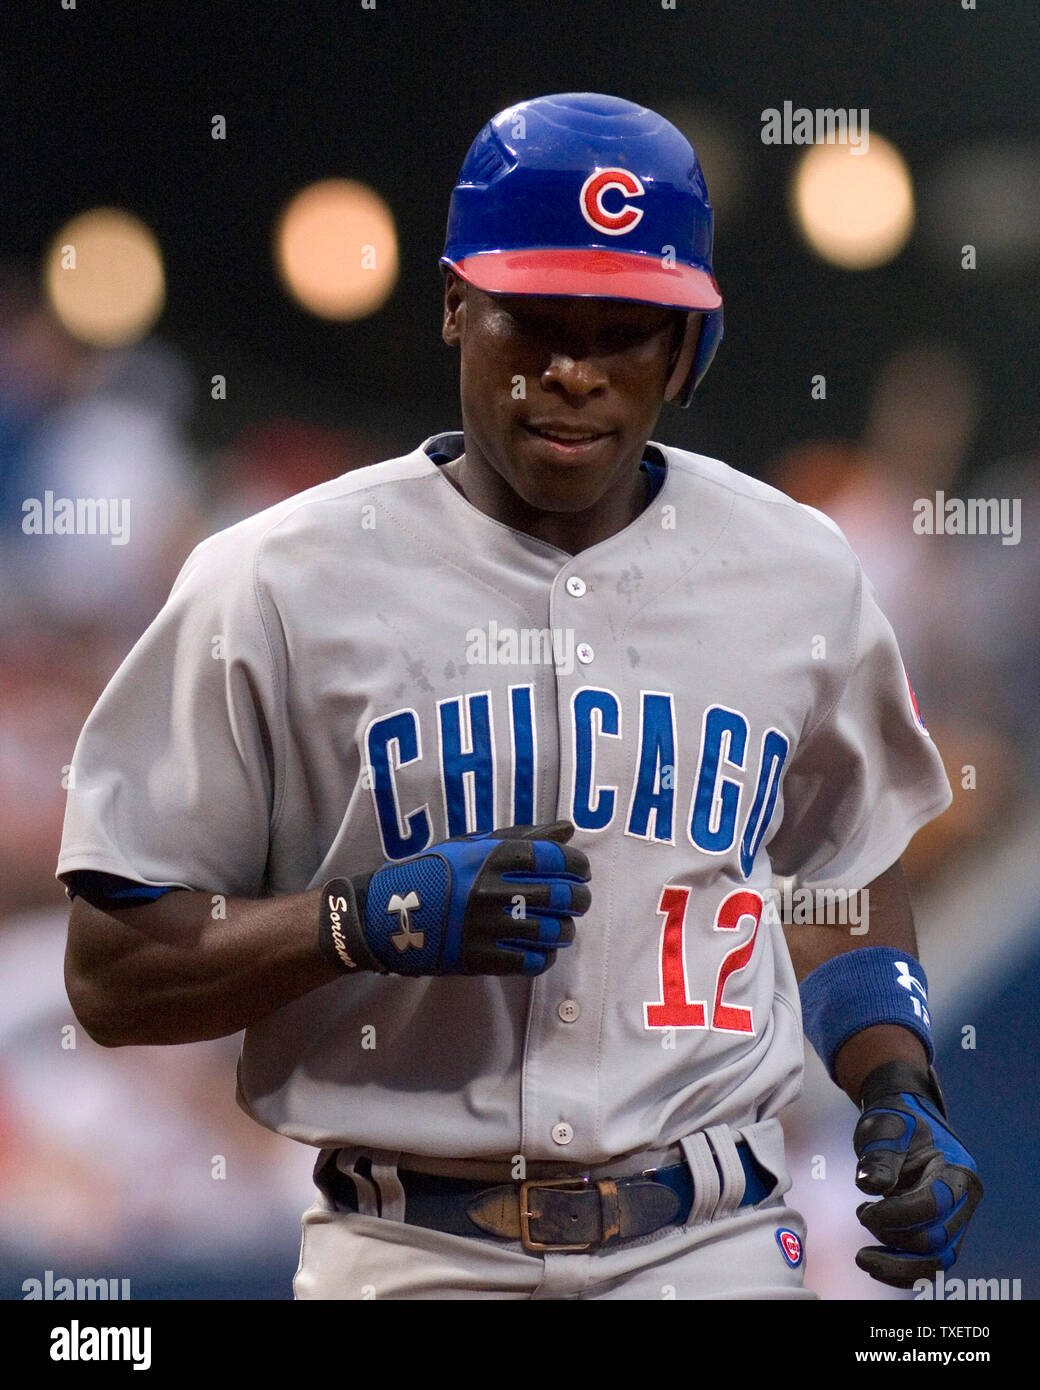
(405, 938)
(904, 978)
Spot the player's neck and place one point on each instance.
(573, 532)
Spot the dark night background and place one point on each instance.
(111, 103)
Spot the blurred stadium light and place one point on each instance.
(103, 274)
(855, 208)
(336, 249)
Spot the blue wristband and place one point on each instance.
(858, 989)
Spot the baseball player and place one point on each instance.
(461, 783)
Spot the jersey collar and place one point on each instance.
(443, 448)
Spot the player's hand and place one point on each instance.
(927, 1180)
(501, 902)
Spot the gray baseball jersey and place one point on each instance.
(712, 696)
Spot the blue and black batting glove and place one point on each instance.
(926, 1178)
(500, 902)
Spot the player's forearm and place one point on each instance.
(884, 907)
(169, 972)
(865, 1052)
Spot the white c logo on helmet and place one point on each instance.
(591, 201)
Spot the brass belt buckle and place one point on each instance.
(570, 1185)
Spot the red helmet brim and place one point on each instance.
(590, 274)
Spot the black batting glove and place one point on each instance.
(927, 1180)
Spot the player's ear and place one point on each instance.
(454, 308)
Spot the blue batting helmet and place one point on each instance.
(590, 195)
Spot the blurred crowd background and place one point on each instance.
(136, 1163)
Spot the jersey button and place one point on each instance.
(575, 586)
(569, 1010)
(584, 653)
(562, 1133)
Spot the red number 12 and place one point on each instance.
(675, 1009)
